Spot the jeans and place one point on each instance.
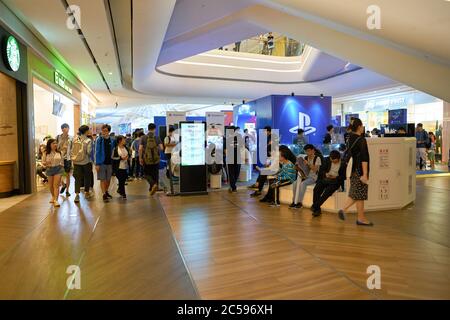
(274, 190)
(233, 174)
(300, 189)
(122, 175)
(83, 175)
(421, 154)
(322, 191)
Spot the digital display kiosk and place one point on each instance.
(193, 171)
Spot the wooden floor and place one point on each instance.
(223, 246)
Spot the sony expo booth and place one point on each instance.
(392, 180)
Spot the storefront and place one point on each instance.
(13, 103)
(401, 108)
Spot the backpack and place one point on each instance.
(151, 155)
(77, 154)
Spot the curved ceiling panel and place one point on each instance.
(150, 21)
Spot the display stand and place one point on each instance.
(193, 171)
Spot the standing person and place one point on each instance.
(237, 46)
(53, 161)
(301, 140)
(138, 169)
(262, 43)
(270, 43)
(64, 142)
(121, 156)
(421, 146)
(170, 143)
(81, 158)
(432, 150)
(331, 178)
(309, 166)
(284, 177)
(92, 158)
(104, 147)
(327, 140)
(149, 158)
(262, 178)
(234, 158)
(358, 151)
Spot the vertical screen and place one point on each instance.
(193, 138)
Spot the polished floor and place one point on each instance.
(223, 246)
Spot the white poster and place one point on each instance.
(384, 158)
(192, 144)
(215, 122)
(173, 118)
(384, 190)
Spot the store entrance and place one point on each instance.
(51, 111)
(9, 152)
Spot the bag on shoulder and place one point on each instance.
(348, 152)
(78, 150)
(151, 155)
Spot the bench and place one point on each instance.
(333, 204)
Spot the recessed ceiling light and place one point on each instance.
(110, 73)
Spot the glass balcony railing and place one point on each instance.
(274, 45)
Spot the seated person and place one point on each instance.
(331, 178)
(284, 177)
(308, 169)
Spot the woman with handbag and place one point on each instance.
(121, 164)
(359, 180)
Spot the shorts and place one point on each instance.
(67, 166)
(105, 172)
(432, 155)
(54, 171)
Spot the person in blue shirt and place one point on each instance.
(421, 146)
(286, 176)
(104, 148)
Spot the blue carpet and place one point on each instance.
(418, 172)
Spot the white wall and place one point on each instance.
(45, 122)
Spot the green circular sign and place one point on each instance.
(13, 53)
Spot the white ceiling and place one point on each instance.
(412, 39)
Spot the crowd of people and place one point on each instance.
(138, 156)
(327, 174)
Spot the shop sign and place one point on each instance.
(61, 82)
(12, 54)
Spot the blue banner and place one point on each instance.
(310, 113)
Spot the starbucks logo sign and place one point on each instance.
(12, 54)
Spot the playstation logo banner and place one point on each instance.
(310, 113)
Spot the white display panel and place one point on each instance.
(193, 138)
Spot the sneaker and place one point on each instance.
(369, 224)
(298, 205)
(105, 198)
(274, 205)
(77, 199)
(255, 194)
(108, 195)
(56, 204)
(317, 213)
(292, 206)
(124, 197)
(153, 190)
(341, 215)
(63, 188)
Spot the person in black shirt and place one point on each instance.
(234, 158)
(359, 188)
(327, 140)
(331, 178)
(262, 178)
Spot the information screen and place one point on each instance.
(193, 137)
